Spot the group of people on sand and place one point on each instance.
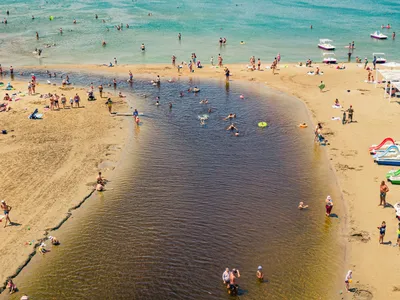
(383, 190)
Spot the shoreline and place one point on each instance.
(81, 147)
(294, 82)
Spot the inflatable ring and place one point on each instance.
(196, 90)
(262, 124)
(303, 125)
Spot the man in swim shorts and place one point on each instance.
(6, 209)
(383, 189)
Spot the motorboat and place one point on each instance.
(326, 44)
(329, 58)
(378, 35)
(380, 58)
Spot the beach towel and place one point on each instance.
(336, 106)
(335, 118)
(35, 115)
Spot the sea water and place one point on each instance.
(266, 27)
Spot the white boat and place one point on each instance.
(380, 58)
(378, 35)
(326, 44)
(329, 58)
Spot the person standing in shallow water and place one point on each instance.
(328, 206)
(383, 189)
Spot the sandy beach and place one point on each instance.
(375, 267)
(50, 165)
(62, 163)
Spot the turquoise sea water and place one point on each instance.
(266, 26)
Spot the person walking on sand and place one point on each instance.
(6, 209)
(365, 63)
(348, 279)
(101, 90)
(77, 99)
(259, 65)
(383, 189)
(212, 60)
(109, 104)
(398, 235)
(328, 206)
(382, 231)
(344, 121)
(321, 86)
(351, 112)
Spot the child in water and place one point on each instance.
(302, 206)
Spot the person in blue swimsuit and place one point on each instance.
(382, 231)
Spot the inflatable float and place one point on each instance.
(262, 124)
(304, 125)
(394, 179)
(195, 90)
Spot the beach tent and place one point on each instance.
(394, 77)
(390, 65)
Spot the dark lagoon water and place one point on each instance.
(189, 200)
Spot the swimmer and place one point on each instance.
(142, 47)
(74, 22)
(100, 187)
(231, 128)
(137, 120)
(54, 240)
(170, 105)
(42, 248)
(209, 110)
(33, 17)
(127, 25)
(302, 206)
(205, 101)
(157, 103)
(237, 133)
(179, 36)
(96, 16)
(103, 43)
(61, 31)
(230, 117)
